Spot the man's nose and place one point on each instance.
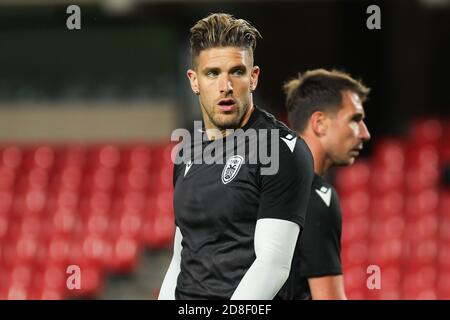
(364, 132)
(225, 84)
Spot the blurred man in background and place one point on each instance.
(325, 108)
(236, 228)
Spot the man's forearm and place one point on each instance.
(275, 241)
(261, 282)
(169, 284)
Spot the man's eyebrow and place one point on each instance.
(207, 69)
(239, 67)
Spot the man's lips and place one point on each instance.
(357, 150)
(226, 104)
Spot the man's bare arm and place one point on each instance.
(327, 288)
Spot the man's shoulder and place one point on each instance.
(324, 197)
(266, 120)
(275, 131)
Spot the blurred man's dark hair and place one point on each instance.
(318, 90)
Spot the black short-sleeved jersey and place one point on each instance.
(318, 250)
(217, 205)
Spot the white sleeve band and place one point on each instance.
(275, 241)
(169, 284)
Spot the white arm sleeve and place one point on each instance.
(169, 284)
(275, 241)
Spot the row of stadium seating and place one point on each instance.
(99, 206)
(95, 207)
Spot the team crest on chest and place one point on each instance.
(231, 168)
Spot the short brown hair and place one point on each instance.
(318, 90)
(222, 30)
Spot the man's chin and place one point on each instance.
(224, 122)
(345, 162)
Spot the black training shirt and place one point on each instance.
(318, 250)
(217, 205)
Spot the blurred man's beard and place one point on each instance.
(223, 124)
(230, 121)
(344, 162)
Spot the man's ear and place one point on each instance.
(319, 123)
(254, 78)
(192, 76)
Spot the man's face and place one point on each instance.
(346, 131)
(224, 78)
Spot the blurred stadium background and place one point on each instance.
(86, 118)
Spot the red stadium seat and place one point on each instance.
(71, 156)
(443, 285)
(6, 202)
(355, 229)
(101, 179)
(386, 180)
(443, 256)
(46, 294)
(386, 228)
(42, 156)
(420, 284)
(390, 204)
(444, 204)
(424, 203)
(390, 155)
(4, 223)
(21, 275)
(355, 254)
(65, 200)
(63, 221)
(97, 224)
(16, 292)
(134, 202)
(49, 281)
(355, 204)
(421, 228)
(426, 131)
(105, 156)
(355, 177)
(20, 250)
(7, 179)
(11, 157)
(386, 252)
(137, 156)
(57, 249)
(421, 253)
(69, 179)
(124, 255)
(444, 230)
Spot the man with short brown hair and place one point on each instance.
(325, 108)
(236, 225)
